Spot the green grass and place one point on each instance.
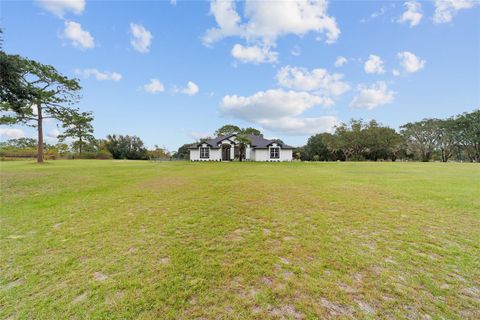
(143, 240)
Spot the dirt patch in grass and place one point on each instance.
(365, 307)
(99, 276)
(80, 298)
(336, 309)
(164, 260)
(13, 284)
(286, 311)
(237, 235)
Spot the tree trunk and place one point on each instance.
(80, 147)
(40, 133)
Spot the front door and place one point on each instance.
(226, 153)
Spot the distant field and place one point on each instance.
(142, 240)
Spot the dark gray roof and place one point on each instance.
(257, 142)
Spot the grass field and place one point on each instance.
(143, 240)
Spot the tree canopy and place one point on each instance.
(421, 137)
(79, 127)
(227, 129)
(126, 147)
(468, 130)
(252, 131)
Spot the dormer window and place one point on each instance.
(204, 153)
(275, 153)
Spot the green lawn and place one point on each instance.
(144, 240)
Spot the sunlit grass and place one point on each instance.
(123, 239)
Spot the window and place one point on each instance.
(274, 153)
(204, 153)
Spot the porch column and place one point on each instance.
(232, 152)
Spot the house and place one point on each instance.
(225, 148)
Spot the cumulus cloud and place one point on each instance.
(370, 97)
(12, 133)
(299, 125)
(341, 61)
(191, 89)
(265, 21)
(141, 38)
(413, 13)
(278, 110)
(227, 19)
(320, 81)
(446, 9)
(374, 64)
(60, 7)
(154, 86)
(78, 37)
(270, 104)
(254, 54)
(99, 75)
(410, 62)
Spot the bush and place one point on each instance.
(11, 152)
(51, 154)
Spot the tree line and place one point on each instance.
(456, 138)
(112, 147)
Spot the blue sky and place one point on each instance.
(173, 72)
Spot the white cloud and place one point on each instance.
(296, 51)
(227, 20)
(191, 89)
(374, 64)
(279, 111)
(11, 133)
(299, 125)
(154, 86)
(60, 7)
(141, 38)
(317, 80)
(53, 133)
(173, 2)
(396, 72)
(78, 37)
(341, 61)
(375, 14)
(413, 13)
(446, 9)
(265, 21)
(410, 62)
(99, 75)
(254, 54)
(270, 104)
(370, 97)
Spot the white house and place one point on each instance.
(225, 149)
